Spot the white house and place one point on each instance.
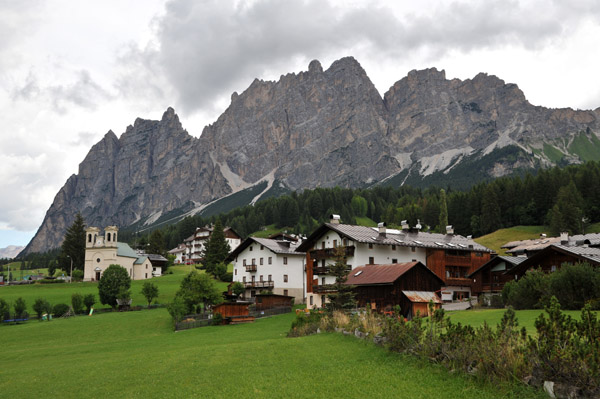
(269, 264)
(179, 253)
(451, 257)
(194, 244)
(101, 252)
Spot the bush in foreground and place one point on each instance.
(60, 309)
(113, 280)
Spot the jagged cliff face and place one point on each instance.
(316, 128)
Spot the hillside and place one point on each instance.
(318, 128)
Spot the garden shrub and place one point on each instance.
(529, 292)
(20, 308)
(77, 275)
(60, 309)
(496, 302)
(4, 310)
(89, 300)
(574, 285)
(77, 303)
(51, 281)
(217, 319)
(41, 306)
(305, 324)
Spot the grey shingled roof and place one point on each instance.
(513, 260)
(278, 246)
(406, 238)
(592, 254)
(538, 244)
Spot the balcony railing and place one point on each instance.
(327, 253)
(326, 270)
(250, 268)
(458, 260)
(458, 281)
(259, 284)
(323, 288)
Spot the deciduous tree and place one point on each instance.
(112, 281)
(150, 292)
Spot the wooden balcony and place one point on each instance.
(453, 260)
(326, 270)
(250, 268)
(466, 282)
(329, 253)
(318, 289)
(259, 284)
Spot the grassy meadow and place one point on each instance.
(137, 354)
(61, 293)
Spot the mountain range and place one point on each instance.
(318, 128)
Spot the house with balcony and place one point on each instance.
(265, 264)
(450, 256)
(195, 244)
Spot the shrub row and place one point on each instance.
(573, 286)
(564, 350)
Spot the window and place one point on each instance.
(370, 246)
(89, 238)
(261, 278)
(270, 277)
(323, 245)
(270, 260)
(285, 278)
(285, 260)
(253, 261)
(394, 260)
(261, 261)
(322, 299)
(311, 299)
(371, 260)
(244, 262)
(285, 292)
(253, 279)
(262, 247)
(244, 279)
(553, 268)
(335, 243)
(480, 254)
(235, 272)
(146, 275)
(322, 280)
(413, 249)
(322, 262)
(393, 247)
(345, 241)
(98, 260)
(252, 294)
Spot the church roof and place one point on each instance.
(125, 250)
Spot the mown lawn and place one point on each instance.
(492, 317)
(61, 293)
(136, 354)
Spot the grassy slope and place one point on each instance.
(500, 237)
(136, 354)
(61, 293)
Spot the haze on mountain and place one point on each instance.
(318, 128)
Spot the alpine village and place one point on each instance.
(446, 234)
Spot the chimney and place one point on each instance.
(382, 229)
(543, 235)
(404, 224)
(334, 219)
(418, 226)
(449, 230)
(564, 238)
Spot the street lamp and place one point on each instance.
(71, 279)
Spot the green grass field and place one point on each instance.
(500, 237)
(136, 354)
(61, 293)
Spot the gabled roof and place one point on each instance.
(406, 238)
(422, 296)
(125, 250)
(140, 260)
(581, 253)
(537, 244)
(383, 274)
(283, 247)
(512, 260)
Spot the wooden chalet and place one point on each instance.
(411, 285)
(551, 258)
(491, 277)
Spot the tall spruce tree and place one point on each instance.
(73, 246)
(156, 243)
(443, 221)
(343, 297)
(216, 248)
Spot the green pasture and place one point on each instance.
(137, 354)
(167, 284)
(526, 318)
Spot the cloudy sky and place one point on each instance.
(72, 70)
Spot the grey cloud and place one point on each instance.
(206, 50)
(83, 92)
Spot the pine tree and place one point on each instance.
(156, 244)
(216, 248)
(73, 246)
(343, 297)
(443, 221)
